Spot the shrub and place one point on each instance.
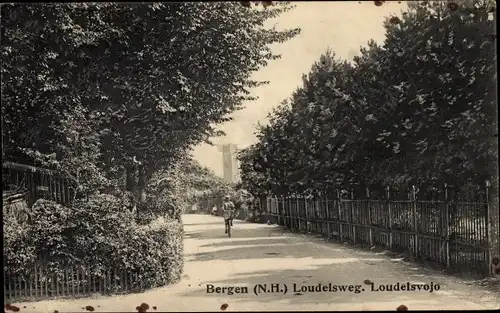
(95, 235)
(256, 218)
(88, 232)
(17, 255)
(156, 251)
(146, 215)
(98, 230)
(160, 204)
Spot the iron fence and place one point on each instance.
(72, 282)
(453, 234)
(36, 182)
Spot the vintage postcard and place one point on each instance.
(250, 156)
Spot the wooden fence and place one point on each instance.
(34, 183)
(454, 234)
(73, 282)
(37, 182)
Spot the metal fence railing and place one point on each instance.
(36, 182)
(454, 234)
(72, 282)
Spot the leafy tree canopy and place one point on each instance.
(139, 83)
(417, 109)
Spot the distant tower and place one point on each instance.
(230, 163)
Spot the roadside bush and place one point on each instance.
(88, 232)
(146, 215)
(155, 251)
(165, 202)
(98, 231)
(257, 218)
(158, 206)
(17, 255)
(95, 235)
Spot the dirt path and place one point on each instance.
(262, 254)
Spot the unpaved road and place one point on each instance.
(263, 254)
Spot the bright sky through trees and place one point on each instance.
(342, 26)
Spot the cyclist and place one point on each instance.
(228, 209)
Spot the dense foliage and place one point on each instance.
(176, 190)
(110, 93)
(418, 109)
(94, 236)
(200, 187)
(113, 96)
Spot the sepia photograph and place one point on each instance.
(211, 156)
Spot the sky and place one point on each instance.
(342, 26)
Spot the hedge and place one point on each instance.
(96, 235)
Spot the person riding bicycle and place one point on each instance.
(228, 209)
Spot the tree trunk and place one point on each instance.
(494, 210)
(492, 165)
(141, 184)
(144, 175)
(130, 185)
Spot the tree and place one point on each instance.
(39, 51)
(253, 176)
(154, 87)
(187, 184)
(433, 113)
(302, 151)
(412, 111)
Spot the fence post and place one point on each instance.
(370, 233)
(317, 215)
(306, 208)
(269, 204)
(282, 213)
(299, 211)
(415, 220)
(339, 209)
(281, 209)
(353, 222)
(389, 213)
(446, 225)
(287, 210)
(286, 207)
(327, 208)
(260, 205)
(488, 231)
(277, 205)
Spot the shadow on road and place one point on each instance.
(251, 249)
(251, 241)
(265, 241)
(268, 254)
(296, 279)
(201, 224)
(239, 230)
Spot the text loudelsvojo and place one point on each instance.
(280, 288)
